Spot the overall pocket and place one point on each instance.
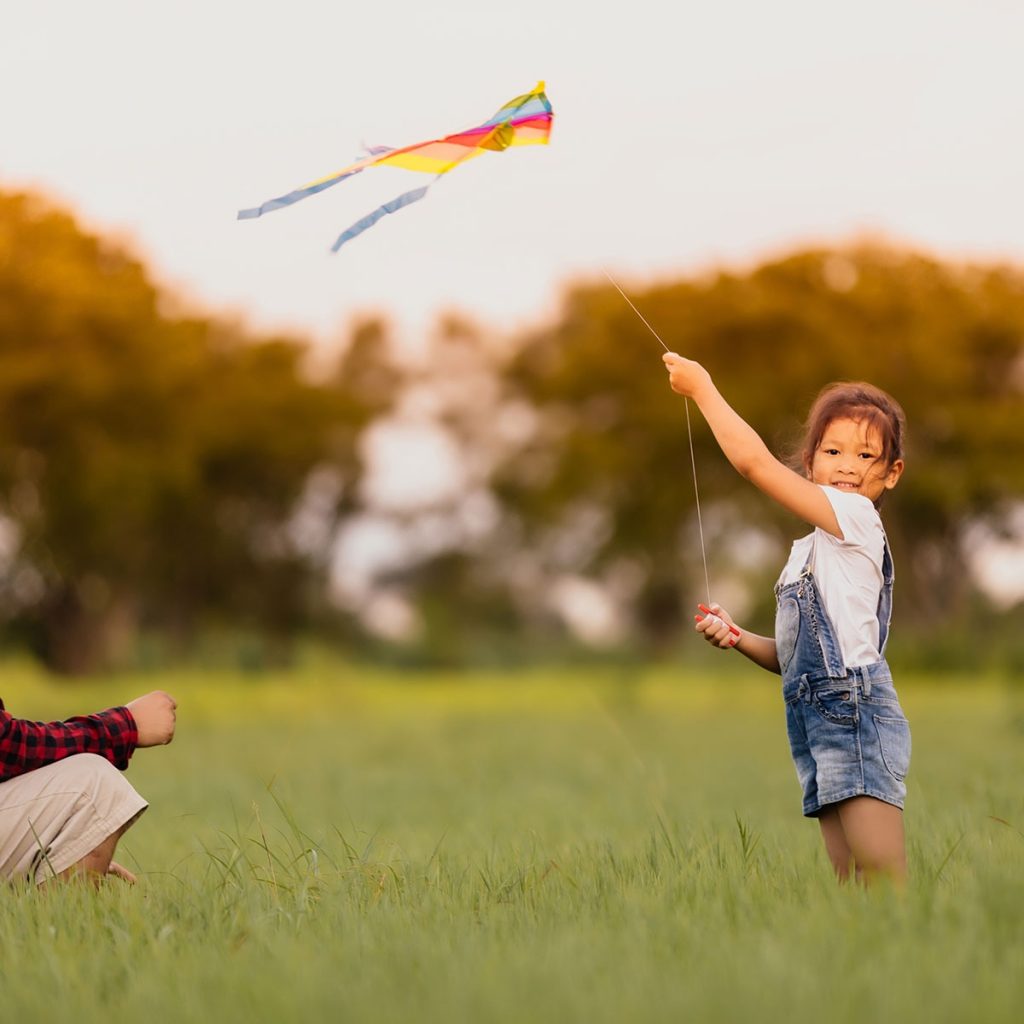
(894, 742)
(838, 706)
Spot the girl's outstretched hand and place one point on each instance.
(716, 627)
(686, 376)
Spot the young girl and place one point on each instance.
(849, 737)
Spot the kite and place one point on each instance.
(524, 121)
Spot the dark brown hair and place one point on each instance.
(855, 400)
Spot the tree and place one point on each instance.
(610, 448)
(153, 464)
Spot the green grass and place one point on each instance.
(338, 845)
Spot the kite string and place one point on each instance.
(689, 434)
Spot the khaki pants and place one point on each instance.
(52, 817)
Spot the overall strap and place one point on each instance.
(888, 570)
(813, 606)
(885, 597)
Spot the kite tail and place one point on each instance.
(524, 121)
(405, 199)
(500, 135)
(292, 197)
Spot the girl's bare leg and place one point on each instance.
(836, 846)
(868, 833)
(865, 835)
(874, 831)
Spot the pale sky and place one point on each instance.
(686, 135)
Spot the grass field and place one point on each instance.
(344, 845)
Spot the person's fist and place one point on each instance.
(717, 626)
(684, 375)
(154, 716)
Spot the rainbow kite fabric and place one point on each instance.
(524, 121)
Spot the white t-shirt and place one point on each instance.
(848, 573)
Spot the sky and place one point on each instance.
(687, 135)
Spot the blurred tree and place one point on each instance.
(154, 466)
(607, 460)
(446, 408)
(173, 470)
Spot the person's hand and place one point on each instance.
(715, 627)
(154, 718)
(685, 376)
(119, 871)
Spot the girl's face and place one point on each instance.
(850, 458)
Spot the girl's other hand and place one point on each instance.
(686, 376)
(715, 627)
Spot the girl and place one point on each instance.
(849, 737)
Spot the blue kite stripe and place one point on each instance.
(371, 218)
(533, 106)
(293, 197)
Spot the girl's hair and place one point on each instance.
(858, 401)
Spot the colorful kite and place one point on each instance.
(524, 121)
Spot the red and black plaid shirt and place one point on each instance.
(26, 745)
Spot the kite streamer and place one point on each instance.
(524, 121)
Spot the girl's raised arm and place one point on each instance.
(745, 449)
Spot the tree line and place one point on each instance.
(163, 472)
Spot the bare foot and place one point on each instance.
(119, 871)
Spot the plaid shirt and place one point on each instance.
(26, 745)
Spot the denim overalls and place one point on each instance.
(847, 732)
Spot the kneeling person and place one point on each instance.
(63, 803)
